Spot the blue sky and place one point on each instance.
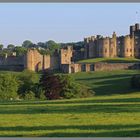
(64, 22)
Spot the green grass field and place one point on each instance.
(113, 112)
(110, 60)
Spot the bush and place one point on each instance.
(72, 89)
(8, 86)
(29, 95)
(62, 86)
(27, 80)
(51, 85)
(135, 81)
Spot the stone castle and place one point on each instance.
(64, 60)
(122, 46)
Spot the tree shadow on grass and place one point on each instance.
(74, 109)
(110, 130)
(44, 104)
(109, 85)
(116, 86)
(123, 133)
(104, 77)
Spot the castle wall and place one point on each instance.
(66, 55)
(115, 66)
(128, 48)
(12, 60)
(46, 62)
(12, 63)
(100, 47)
(105, 48)
(55, 62)
(92, 48)
(120, 46)
(33, 60)
(137, 46)
(73, 68)
(113, 46)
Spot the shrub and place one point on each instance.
(29, 95)
(27, 80)
(51, 85)
(62, 86)
(135, 81)
(8, 86)
(72, 89)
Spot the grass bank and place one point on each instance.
(110, 60)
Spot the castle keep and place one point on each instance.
(121, 46)
(94, 47)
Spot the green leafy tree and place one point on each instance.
(27, 44)
(52, 46)
(1, 46)
(42, 45)
(51, 85)
(11, 46)
(8, 87)
(27, 80)
(20, 50)
(62, 86)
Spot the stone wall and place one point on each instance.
(33, 60)
(66, 55)
(12, 60)
(12, 63)
(55, 62)
(115, 66)
(84, 67)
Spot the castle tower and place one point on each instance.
(106, 47)
(103, 47)
(113, 45)
(86, 48)
(137, 27)
(92, 53)
(66, 55)
(128, 50)
(132, 30)
(33, 60)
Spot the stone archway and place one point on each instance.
(72, 70)
(38, 67)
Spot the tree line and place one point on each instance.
(28, 85)
(48, 47)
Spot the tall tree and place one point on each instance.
(1, 46)
(20, 50)
(52, 46)
(27, 44)
(11, 46)
(51, 84)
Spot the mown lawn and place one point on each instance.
(104, 116)
(113, 112)
(110, 60)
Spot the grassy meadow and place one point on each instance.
(114, 111)
(110, 60)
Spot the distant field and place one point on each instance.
(113, 112)
(110, 60)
